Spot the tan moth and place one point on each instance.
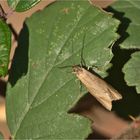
(101, 90)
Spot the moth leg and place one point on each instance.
(89, 67)
(96, 67)
(90, 2)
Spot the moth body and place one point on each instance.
(102, 91)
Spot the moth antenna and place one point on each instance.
(67, 71)
(83, 63)
(68, 66)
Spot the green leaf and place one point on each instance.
(5, 46)
(22, 5)
(1, 136)
(132, 72)
(40, 92)
(131, 11)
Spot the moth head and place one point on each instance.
(76, 69)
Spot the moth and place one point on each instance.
(101, 90)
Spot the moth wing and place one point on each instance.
(106, 102)
(102, 91)
(110, 95)
(107, 97)
(114, 94)
(103, 95)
